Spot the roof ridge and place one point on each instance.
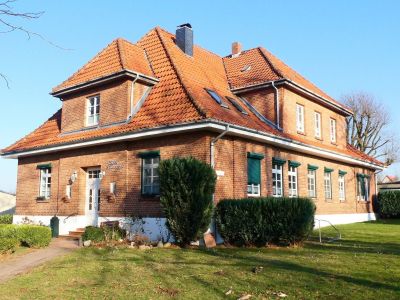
(121, 53)
(86, 65)
(178, 74)
(276, 70)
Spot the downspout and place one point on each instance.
(212, 162)
(132, 96)
(277, 103)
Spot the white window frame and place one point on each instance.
(328, 185)
(292, 180)
(342, 187)
(93, 111)
(277, 172)
(300, 118)
(45, 183)
(317, 123)
(312, 183)
(333, 130)
(152, 166)
(254, 190)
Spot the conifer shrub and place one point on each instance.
(389, 204)
(186, 195)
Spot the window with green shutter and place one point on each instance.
(254, 173)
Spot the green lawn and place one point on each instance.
(365, 264)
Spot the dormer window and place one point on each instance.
(217, 98)
(93, 111)
(237, 105)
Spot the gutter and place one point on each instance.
(104, 79)
(209, 124)
(277, 103)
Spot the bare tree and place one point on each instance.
(367, 129)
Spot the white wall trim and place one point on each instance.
(337, 219)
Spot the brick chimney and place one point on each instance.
(236, 49)
(184, 38)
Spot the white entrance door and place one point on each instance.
(92, 196)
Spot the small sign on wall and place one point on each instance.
(220, 173)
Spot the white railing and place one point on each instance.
(319, 230)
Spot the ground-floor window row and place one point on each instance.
(150, 182)
(278, 175)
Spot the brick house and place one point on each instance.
(265, 129)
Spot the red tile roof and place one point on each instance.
(119, 55)
(179, 96)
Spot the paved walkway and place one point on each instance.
(24, 263)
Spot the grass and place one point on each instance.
(365, 264)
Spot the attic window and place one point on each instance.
(237, 105)
(217, 98)
(245, 68)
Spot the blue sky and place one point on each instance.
(342, 46)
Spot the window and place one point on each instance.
(217, 98)
(333, 131)
(292, 176)
(254, 174)
(328, 183)
(277, 178)
(45, 183)
(237, 105)
(342, 189)
(300, 117)
(93, 111)
(363, 186)
(150, 177)
(317, 125)
(311, 182)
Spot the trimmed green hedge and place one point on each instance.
(6, 219)
(261, 221)
(389, 204)
(33, 236)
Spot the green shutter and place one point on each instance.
(255, 155)
(361, 183)
(43, 166)
(253, 171)
(149, 154)
(312, 167)
(294, 164)
(328, 170)
(342, 173)
(278, 161)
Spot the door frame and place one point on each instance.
(92, 216)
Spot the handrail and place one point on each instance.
(71, 215)
(319, 229)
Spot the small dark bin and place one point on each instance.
(55, 226)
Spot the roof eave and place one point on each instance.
(104, 79)
(208, 124)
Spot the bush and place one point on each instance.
(389, 204)
(6, 219)
(34, 236)
(187, 186)
(94, 234)
(260, 221)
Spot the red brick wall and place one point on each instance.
(231, 158)
(114, 105)
(127, 176)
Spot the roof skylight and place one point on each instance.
(237, 105)
(217, 98)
